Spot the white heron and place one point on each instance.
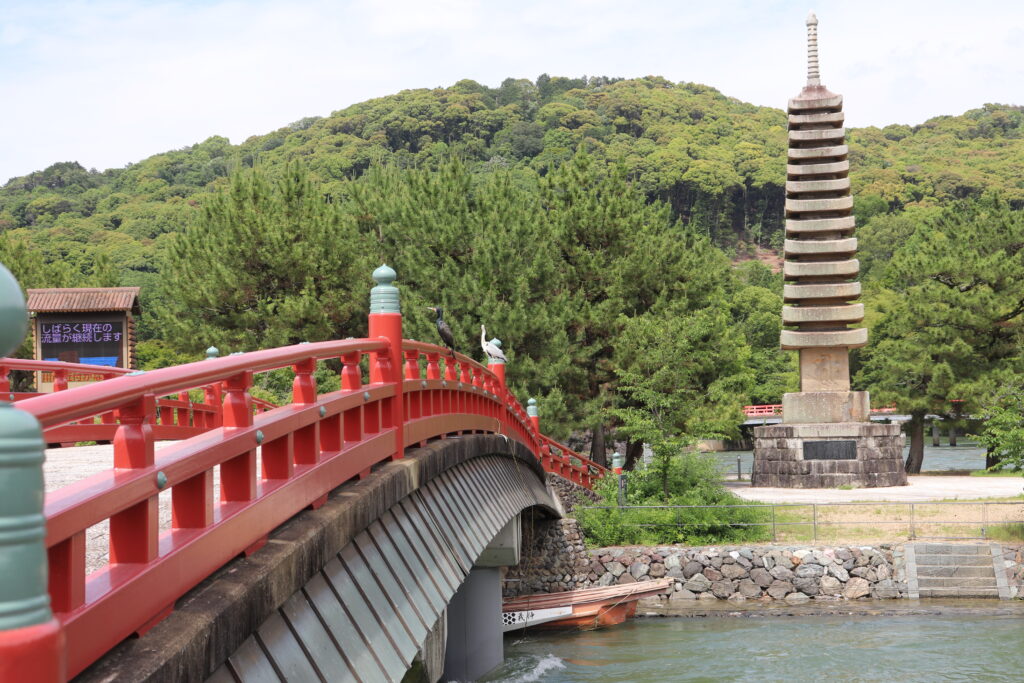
(492, 350)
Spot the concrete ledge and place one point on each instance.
(829, 204)
(211, 621)
(832, 168)
(830, 152)
(841, 269)
(805, 247)
(841, 290)
(817, 134)
(828, 117)
(849, 313)
(850, 339)
(812, 225)
(815, 97)
(826, 407)
(800, 186)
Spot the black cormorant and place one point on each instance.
(443, 330)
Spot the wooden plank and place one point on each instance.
(407, 597)
(407, 563)
(430, 517)
(284, 650)
(386, 613)
(315, 639)
(250, 664)
(354, 649)
(365, 619)
(448, 575)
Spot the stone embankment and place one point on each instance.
(757, 573)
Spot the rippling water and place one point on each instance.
(897, 648)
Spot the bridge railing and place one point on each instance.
(177, 416)
(229, 486)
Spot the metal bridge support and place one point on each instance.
(31, 640)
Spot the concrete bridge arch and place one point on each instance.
(357, 589)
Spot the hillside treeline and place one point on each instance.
(592, 224)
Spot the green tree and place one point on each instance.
(1003, 433)
(268, 263)
(949, 325)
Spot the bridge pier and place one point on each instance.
(474, 644)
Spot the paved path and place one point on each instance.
(920, 488)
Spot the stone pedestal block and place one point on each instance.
(820, 455)
(806, 407)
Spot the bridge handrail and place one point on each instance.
(52, 365)
(271, 464)
(56, 408)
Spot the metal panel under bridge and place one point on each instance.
(366, 614)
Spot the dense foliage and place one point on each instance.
(650, 517)
(591, 224)
(949, 321)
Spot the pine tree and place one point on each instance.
(950, 323)
(268, 263)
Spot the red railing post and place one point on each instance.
(31, 640)
(5, 380)
(60, 380)
(533, 414)
(238, 475)
(133, 532)
(304, 446)
(386, 322)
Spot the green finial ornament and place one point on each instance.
(384, 297)
(531, 408)
(13, 316)
(24, 600)
(494, 360)
(212, 352)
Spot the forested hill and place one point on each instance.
(717, 161)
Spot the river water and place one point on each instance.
(967, 456)
(981, 644)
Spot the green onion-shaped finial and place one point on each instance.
(531, 408)
(384, 297)
(13, 314)
(212, 352)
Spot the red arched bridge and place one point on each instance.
(238, 469)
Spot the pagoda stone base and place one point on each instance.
(822, 456)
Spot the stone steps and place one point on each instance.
(954, 570)
(954, 561)
(925, 571)
(959, 593)
(957, 581)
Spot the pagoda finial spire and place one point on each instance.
(813, 76)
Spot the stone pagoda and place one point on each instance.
(826, 438)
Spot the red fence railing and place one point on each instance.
(175, 417)
(245, 472)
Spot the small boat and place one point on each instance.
(583, 609)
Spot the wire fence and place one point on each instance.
(870, 521)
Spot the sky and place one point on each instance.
(111, 82)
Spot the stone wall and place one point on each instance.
(553, 556)
(757, 573)
(1013, 560)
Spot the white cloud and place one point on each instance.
(111, 81)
